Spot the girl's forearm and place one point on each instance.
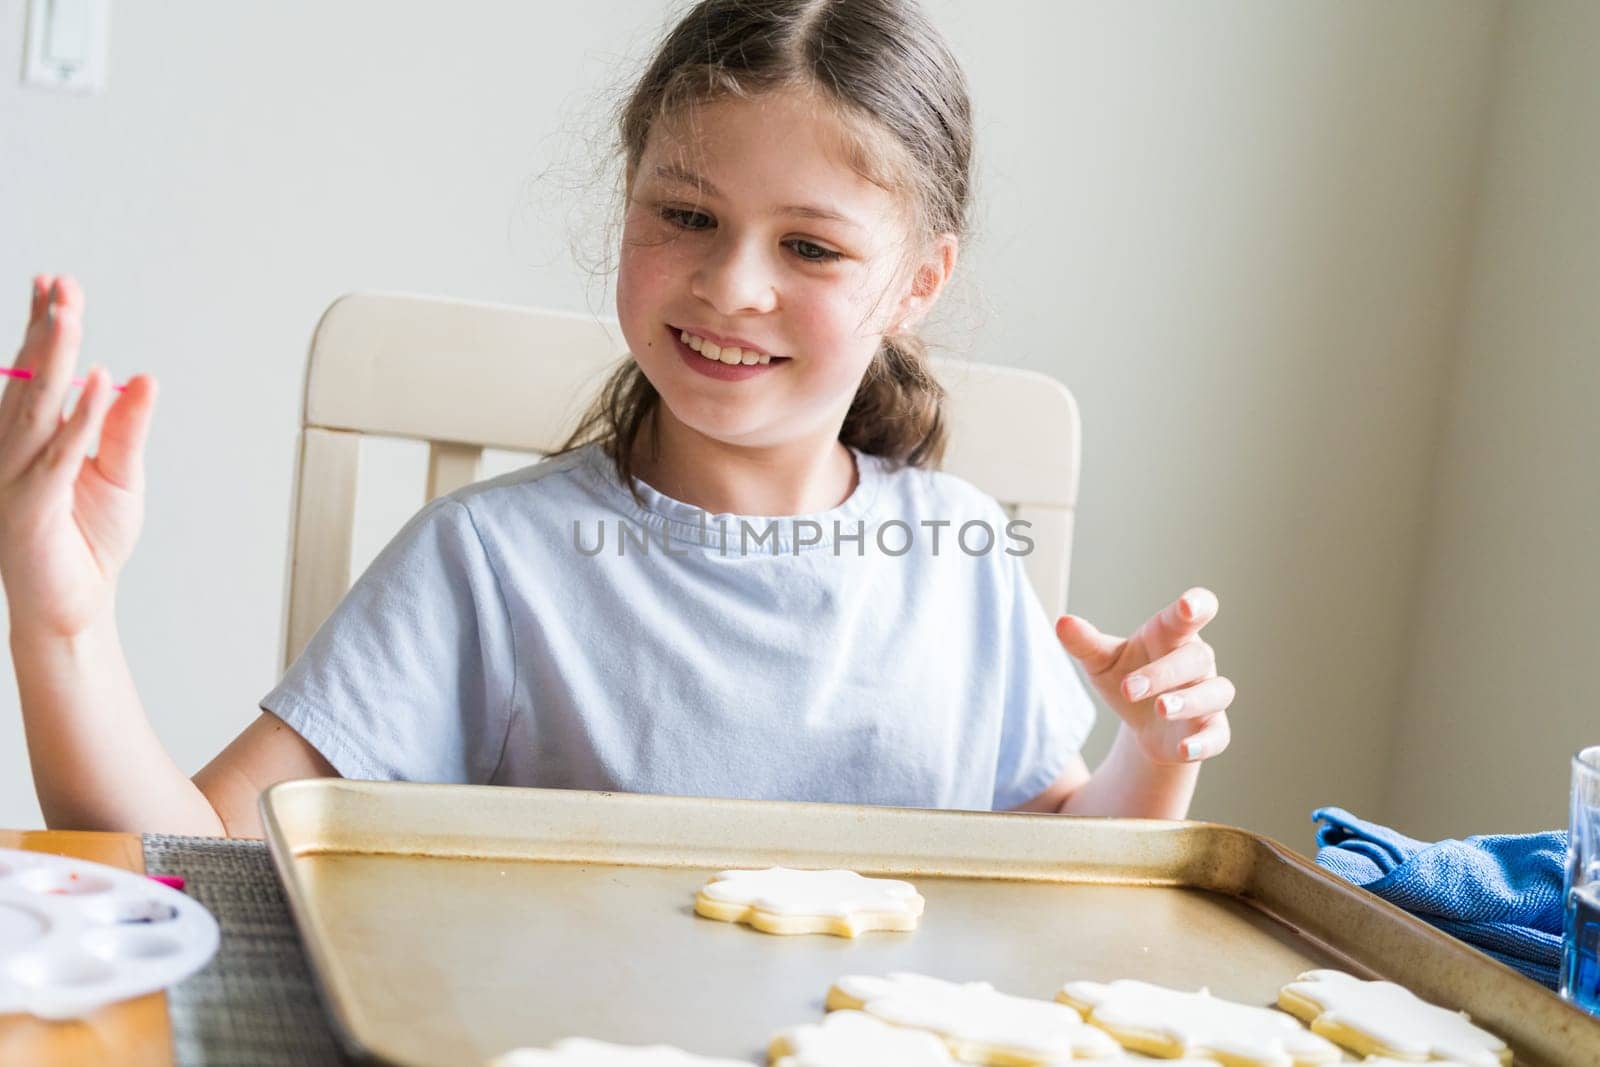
(1128, 784)
(97, 762)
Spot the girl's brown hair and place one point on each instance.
(900, 95)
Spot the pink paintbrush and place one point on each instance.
(12, 372)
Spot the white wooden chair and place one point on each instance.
(466, 376)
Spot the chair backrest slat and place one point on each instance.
(321, 531)
(451, 466)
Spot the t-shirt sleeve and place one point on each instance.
(1048, 713)
(410, 678)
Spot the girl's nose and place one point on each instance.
(735, 277)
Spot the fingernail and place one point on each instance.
(1193, 748)
(1136, 687)
(1170, 706)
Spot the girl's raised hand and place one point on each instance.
(1162, 681)
(68, 522)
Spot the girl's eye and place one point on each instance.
(683, 217)
(814, 253)
(687, 219)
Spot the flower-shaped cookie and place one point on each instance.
(977, 1023)
(856, 1039)
(581, 1052)
(1388, 1020)
(779, 900)
(1167, 1022)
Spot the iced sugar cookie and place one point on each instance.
(976, 1022)
(783, 901)
(581, 1052)
(1385, 1019)
(1167, 1022)
(856, 1039)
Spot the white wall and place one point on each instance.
(1502, 689)
(1239, 231)
(1247, 263)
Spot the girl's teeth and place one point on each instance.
(731, 356)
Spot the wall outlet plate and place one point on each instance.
(67, 44)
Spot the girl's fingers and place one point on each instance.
(70, 293)
(27, 353)
(1207, 741)
(42, 284)
(127, 424)
(1187, 663)
(63, 455)
(1086, 644)
(1203, 698)
(28, 416)
(1179, 621)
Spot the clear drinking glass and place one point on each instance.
(1580, 945)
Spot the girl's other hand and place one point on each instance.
(1162, 681)
(68, 522)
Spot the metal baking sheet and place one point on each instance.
(447, 924)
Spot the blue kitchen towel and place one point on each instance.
(1499, 892)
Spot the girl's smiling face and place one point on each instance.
(749, 226)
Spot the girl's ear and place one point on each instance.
(928, 281)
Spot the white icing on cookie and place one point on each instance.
(581, 1052)
(1200, 1024)
(976, 1013)
(783, 891)
(1400, 1022)
(856, 1039)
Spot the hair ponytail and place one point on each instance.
(898, 411)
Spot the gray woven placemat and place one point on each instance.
(254, 1004)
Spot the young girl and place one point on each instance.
(796, 188)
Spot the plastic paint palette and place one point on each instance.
(76, 935)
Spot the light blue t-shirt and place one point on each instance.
(543, 629)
